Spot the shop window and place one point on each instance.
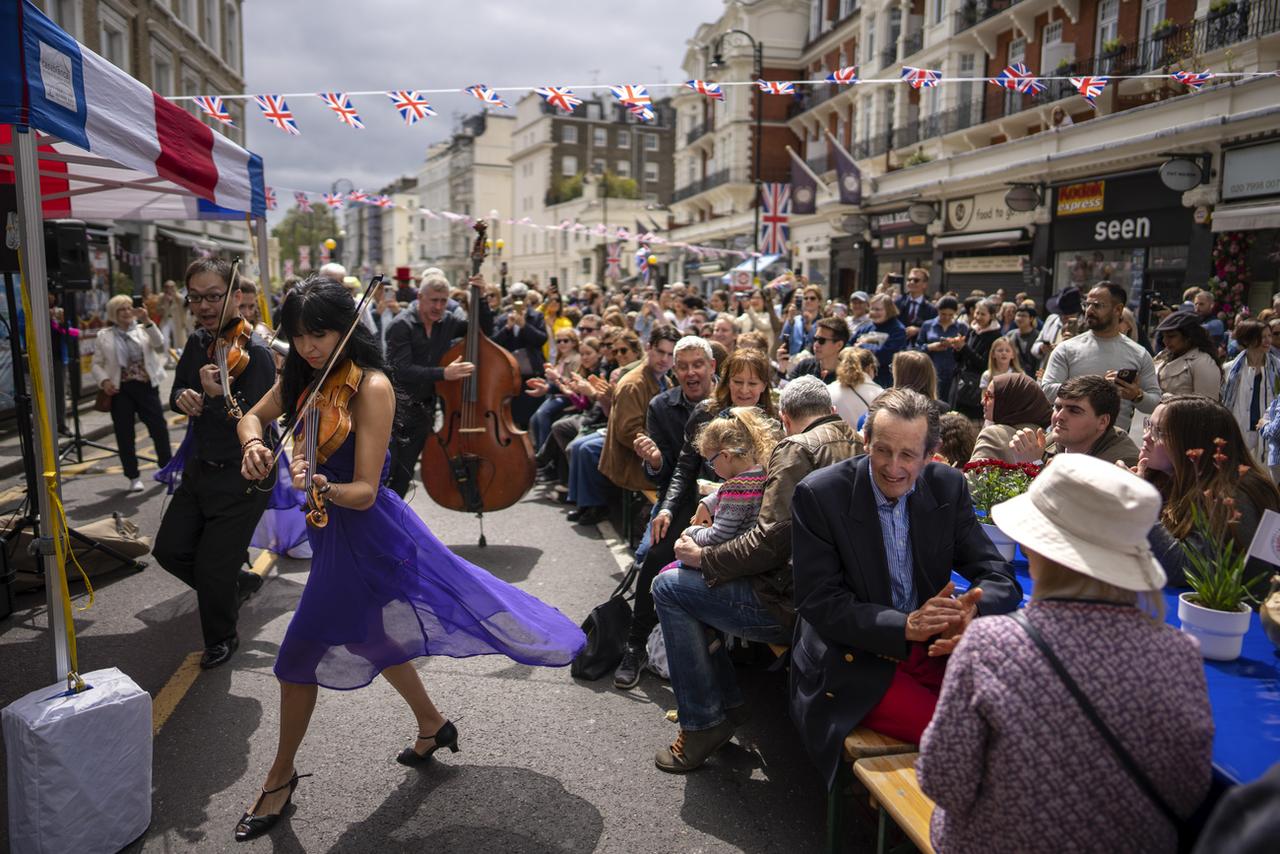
(1084, 267)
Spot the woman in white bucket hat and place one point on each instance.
(1011, 758)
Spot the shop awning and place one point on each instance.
(756, 263)
(1246, 217)
(981, 239)
(202, 241)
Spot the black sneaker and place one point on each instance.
(627, 676)
(591, 515)
(219, 653)
(247, 584)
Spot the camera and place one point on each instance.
(137, 301)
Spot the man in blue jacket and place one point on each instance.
(874, 542)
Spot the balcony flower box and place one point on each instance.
(1164, 30)
(1220, 9)
(1111, 48)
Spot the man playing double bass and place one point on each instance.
(417, 340)
(206, 529)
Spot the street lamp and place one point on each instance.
(717, 61)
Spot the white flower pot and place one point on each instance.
(1003, 543)
(1220, 633)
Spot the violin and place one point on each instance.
(229, 349)
(326, 424)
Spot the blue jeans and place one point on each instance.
(540, 423)
(646, 539)
(586, 485)
(703, 681)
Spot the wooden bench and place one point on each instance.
(895, 793)
(860, 744)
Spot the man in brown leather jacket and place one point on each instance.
(744, 586)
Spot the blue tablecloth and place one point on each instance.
(1245, 695)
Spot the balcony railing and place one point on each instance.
(912, 44)
(975, 12)
(889, 56)
(715, 179)
(698, 132)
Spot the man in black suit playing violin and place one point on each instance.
(206, 529)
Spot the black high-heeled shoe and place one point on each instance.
(251, 826)
(446, 736)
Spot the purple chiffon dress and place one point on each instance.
(383, 590)
(281, 527)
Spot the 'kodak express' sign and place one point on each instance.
(1082, 198)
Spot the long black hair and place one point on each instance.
(315, 306)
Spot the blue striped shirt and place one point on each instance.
(895, 527)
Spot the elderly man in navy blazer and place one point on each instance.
(875, 540)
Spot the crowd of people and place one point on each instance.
(805, 454)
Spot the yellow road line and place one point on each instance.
(173, 691)
(263, 564)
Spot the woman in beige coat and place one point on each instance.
(128, 364)
(1010, 403)
(1187, 364)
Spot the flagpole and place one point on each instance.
(837, 144)
(805, 166)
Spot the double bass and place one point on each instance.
(478, 461)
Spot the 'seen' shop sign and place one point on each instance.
(1083, 198)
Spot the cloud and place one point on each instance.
(327, 45)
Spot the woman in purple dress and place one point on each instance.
(382, 589)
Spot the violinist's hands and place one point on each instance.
(211, 381)
(256, 462)
(298, 469)
(190, 403)
(458, 369)
(536, 387)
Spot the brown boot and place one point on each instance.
(692, 748)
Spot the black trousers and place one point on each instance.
(204, 536)
(414, 422)
(645, 617)
(141, 399)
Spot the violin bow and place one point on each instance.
(317, 382)
(234, 412)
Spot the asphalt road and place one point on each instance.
(547, 763)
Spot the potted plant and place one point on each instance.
(990, 483)
(917, 158)
(1218, 8)
(1112, 48)
(1164, 29)
(1216, 610)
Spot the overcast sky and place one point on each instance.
(333, 45)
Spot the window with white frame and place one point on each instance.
(847, 8)
(939, 10)
(869, 46)
(186, 10)
(600, 137)
(1108, 23)
(568, 165)
(650, 142)
(161, 70)
(67, 14)
(650, 171)
(1152, 15)
(233, 36)
(1052, 33)
(622, 169)
(190, 86)
(624, 139)
(816, 10)
(213, 24)
(113, 37)
(568, 133)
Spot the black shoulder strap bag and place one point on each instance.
(1186, 834)
(606, 627)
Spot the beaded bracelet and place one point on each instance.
(247, 442)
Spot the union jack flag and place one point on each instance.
(270, 194)
(1089, 87)
(1019, 78)
(485, 94)
(1193, 80)
(613, 262)
(708, 88)
(333, 200)
(846, 76)
(276, 111)
(920, 78)
(358, 196)
(412, 106)
(342, 108)
(304, 204)
(776, 87)
(641, 112)
(384, 202)
(632, 96)
(642, 263)
(559, 97)
(775, 210)
(213, 108)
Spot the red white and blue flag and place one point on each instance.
(844, 76)
(631, 95)
(213, 108)
(342, 108)
(1019, 78)
(642, 263)
(920, 78)
(1089, 87)
(1193, 80)
(304, 204)
(641, 112)
(270, 196)
(412, 106)
(613, 262)
(559, 97)
(776, 87)
(358, 196)
(384, 202)
(775, 215)
(333, 200)
(486, 95)
(708, 88)
(275, 110)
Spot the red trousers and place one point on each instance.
(907, 707)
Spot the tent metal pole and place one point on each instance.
(264, 256)
(31, 225)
